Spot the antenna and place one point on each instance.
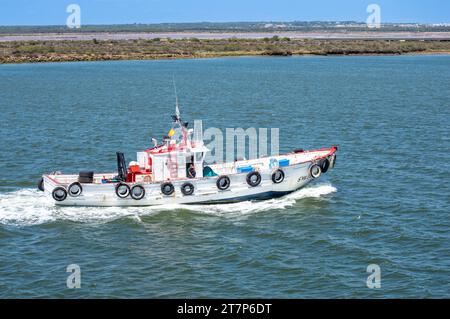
(177, 110)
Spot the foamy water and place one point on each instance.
(30, 207)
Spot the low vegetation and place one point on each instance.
(166, 48)
(264, 26)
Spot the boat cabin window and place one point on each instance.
(199, 157)
(190, 168)
(191, 173)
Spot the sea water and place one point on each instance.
(386, 202)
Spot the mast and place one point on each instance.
(177, 117)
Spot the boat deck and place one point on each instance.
(229, 168)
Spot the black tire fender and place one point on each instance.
(333, 161)
(167, 188)
(137, 192)
(315, 171)
(278, 176)
(325, 165)
(41, 184)
(122, 190)
(223, 182)
(251, 179)
(75, 189)
(187, 189)
(59, 194)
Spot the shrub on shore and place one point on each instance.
(38, 51)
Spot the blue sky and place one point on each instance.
(53, 12)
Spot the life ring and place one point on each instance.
(59, 194)
(325, 165)
(75, 189)
(137, 192)
(187, 189)
(315, 171)
(167, 188)
(278, 176)
(122, 190)
(253, 179)
(223, 182)
(41, 184)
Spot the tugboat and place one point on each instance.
(174, 172)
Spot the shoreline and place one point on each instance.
(214, 56)
(19, 52)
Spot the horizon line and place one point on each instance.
(225, 22)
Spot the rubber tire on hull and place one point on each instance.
(333, 161)
(61, 190)
(167, 188)
(122, 194)
(141, 195)
(220, 185)
(187, 189)
(71, 186)
(251, 181)
(315, 171)
(41, 184)
(274, 176)
(325, 165)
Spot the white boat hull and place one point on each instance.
(206, 191)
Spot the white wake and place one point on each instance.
(30, 207)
